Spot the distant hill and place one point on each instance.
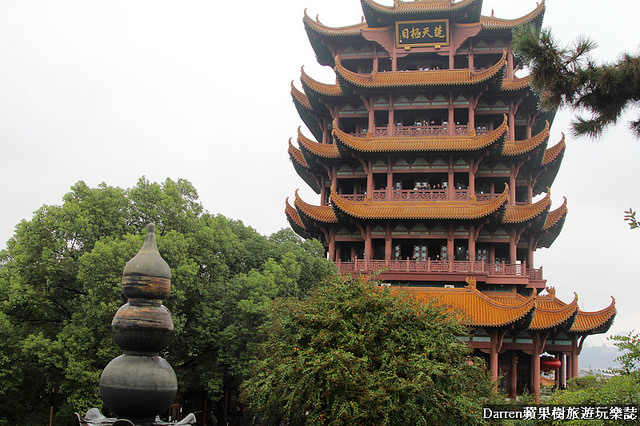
(598, 357)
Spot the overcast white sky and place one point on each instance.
(108, 91)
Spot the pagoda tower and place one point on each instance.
(433, 167)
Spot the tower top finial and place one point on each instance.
(148, 261)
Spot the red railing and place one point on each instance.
(418, 195)
(461, 266)
(432, 130)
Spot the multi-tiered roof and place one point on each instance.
(432, 163)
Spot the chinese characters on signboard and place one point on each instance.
(422, 33)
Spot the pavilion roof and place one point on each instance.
(295, 221)
(548, 317)
(513, 84)
(418, 209)
(481, 310)
(418, 79)
(323, 150)
(513, 148)
(556, 216)
(554, 152)
(306, 111)
(535, 17)
(315, 26)
(293, 215)
(300, 97)
(318, 88)
(595, 322)
(553, 225)
(302, 167)
(296, 155)
(380, 144)
(378, 15)
(552, 312)
(323, 214)
(550, 166)
(520, 214)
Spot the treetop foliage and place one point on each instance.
(566, 76)
(354, 353)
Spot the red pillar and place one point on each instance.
(368, 244)
(535, 367)
(388, 244)
(493, 358)
(372, 116)
(513, 374)
(472, 244)
(332, 245)
(450, 180)
(450, 117)
(513, 246)
(389, 181)
(574, 357)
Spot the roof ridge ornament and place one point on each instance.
(471, 283)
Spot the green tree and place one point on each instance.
(565, 76)
(60, 287)
(354, 353)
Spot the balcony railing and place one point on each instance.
(419, 195)
(429, 266)
(427, 130)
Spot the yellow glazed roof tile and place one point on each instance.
(493, 23)
(520, 214)
(418, 6)
(418, 209)
(323, 89)
(324, 150)
(300, 97)
(296, 154)
(320, 213)
(480, 309)
(553, 152)
(292, 214)
(320, 28)
(513, 84)
(590, 321)
(556, 216)
(420, 143)
(514, 148)
(548, 317)
(389, 79)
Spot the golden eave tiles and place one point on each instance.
(513, 84)
(296, 154)
(522, 147)
(399, 79)
(320, 213)
(322, 89)
(493, 23)
(548, 317)
(318, 27)
(553, 152)
(300, 97)
(418, 209)
(520, 214)
(418, 6)
(324, 150)
(292, 213)
(420, 143)
(481, 310)
(555, 216)
(590, 321)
